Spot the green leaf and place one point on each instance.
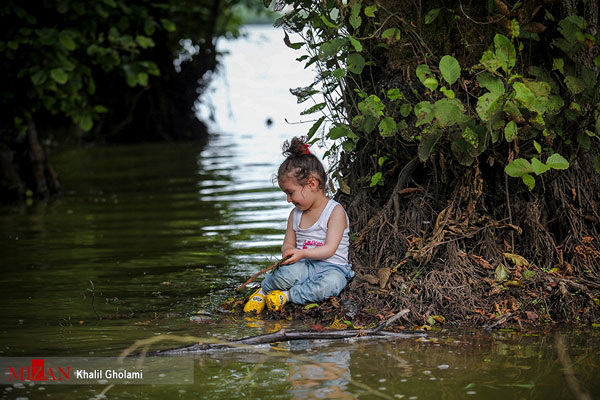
(510, 131)
(339, 131)
(427, 144)
(144, 42)
(487, 106)
(490, 61)
(142, 78)
(450, 69)
(149, 27)
(356, 63)
(39, 77)
(519, 167)
(463, 152)
(588, 77)
(387, 127)
(86, 123)
(597, 164)
(424, 113)
(91, 89)
(422, 71)
(303, 93)
(314, 109)
(405, 109)
(371, 106)
(525, 96)
(376, 179)
(356, 44)
(447, 112)
(370, 11)
(369, 124)
(327, 22)
(390, 33)
(314, 127)
(575, 85)
(514, 28)
(59, 76)
(150, 67)
(168, 25)
(355, 19)
(66, 40)
(491, 83)
(311, 305)
(511, 108)
(470, 136)
(332, 47)
(430, 83)
(538, 147)
(432, 15)
(558, 64)
(556, 161)
(505, 52)
(584, 140)
(555, 104)
(538, 166)
(99, 108)
(395, 94)
(340, 73)
(529, 181)
(447, 92)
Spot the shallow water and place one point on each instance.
(148, 235)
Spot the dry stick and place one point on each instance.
(389, 321)
(510, 221)
(275, 265)
(283, 335)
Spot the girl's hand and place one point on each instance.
(295, 255)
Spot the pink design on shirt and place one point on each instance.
(311, 244)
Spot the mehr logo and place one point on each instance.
(38, 372)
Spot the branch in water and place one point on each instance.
(283, 335)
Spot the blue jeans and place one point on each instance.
(309, 281)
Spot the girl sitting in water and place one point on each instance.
(316, 238)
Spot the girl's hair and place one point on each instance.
(301, 164)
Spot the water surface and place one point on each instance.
(148, 235)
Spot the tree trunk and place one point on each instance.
(25, 169)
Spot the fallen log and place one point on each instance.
(284, 335)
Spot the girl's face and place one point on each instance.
(300, 196)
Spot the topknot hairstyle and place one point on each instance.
(301, 164)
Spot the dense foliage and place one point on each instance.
(106, 70)
(547, 104)
(433, 109)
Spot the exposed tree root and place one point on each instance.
(449, 248)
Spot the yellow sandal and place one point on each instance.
(256, 303)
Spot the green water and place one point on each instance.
(148, 235)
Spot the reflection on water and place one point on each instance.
(147, 235)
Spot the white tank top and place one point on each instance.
(315, 236)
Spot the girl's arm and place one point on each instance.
(335, 230)
(289, 242)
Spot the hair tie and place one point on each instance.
(306, 148)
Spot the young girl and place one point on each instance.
(316, 238)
